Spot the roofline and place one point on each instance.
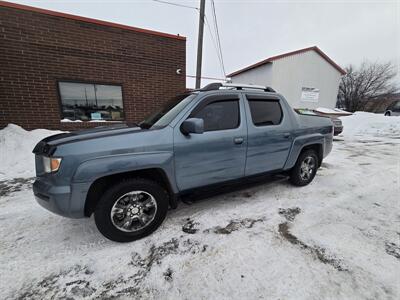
(88, 20)
(273, 58)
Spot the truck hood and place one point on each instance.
(49, 144)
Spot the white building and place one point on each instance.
(307, 78)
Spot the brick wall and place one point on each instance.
(38, 48)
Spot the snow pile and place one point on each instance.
(69, 121)
(373, 125)
(16, 145)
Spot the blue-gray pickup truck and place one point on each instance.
(129, 175)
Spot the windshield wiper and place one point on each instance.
(133, 124)
(145, 125)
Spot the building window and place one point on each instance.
(91, 102)
(265, 112)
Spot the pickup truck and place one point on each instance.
(128, 176)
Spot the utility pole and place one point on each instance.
(200, 43)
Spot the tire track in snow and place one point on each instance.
(318, 252)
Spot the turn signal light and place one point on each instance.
(51, 164)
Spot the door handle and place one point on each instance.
(286, 135)
(238, 140)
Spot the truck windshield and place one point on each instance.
(167, 113)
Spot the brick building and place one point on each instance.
(60, 71)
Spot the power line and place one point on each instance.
(216, 41)
(215, 45)
(206, 77)
(217, 33)
(176, 4)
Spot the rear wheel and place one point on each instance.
(131, 209)
(305, 168)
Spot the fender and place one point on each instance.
(299, 143)
(90, 170)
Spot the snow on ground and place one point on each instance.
(362, 125)
(338, 238)
(16, 145)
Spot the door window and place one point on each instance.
(219, 115)
(265, 112)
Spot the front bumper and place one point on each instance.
(66, 201)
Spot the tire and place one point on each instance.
(131, 210)
(301, 176)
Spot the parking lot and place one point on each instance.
(338, 237)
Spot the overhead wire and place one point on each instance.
(218, 36)
(215, 40)
(215, 45)
(176, 4)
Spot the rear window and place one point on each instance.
(265, 112)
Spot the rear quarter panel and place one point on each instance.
(310, 130)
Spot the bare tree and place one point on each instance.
(369, 81)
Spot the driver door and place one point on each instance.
(218, 154)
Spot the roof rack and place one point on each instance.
(239, 86)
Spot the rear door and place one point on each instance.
(269, 134)
(219, 153)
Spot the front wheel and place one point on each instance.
(131, 209)
(305, 168)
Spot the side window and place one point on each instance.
(219, 115)
(265, 112)
(397, 106)
(391, 106)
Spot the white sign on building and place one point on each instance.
(309, 94)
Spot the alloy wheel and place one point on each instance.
(307, 168)
(133, 211)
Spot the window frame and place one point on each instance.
(250, 97)
(60, 104)
(217, 98)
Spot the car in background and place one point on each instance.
(337, 126)
(337, 123)
(393, 109)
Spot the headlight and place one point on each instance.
(51, 164)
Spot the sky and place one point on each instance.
(349, 32)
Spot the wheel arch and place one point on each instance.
(315, 143)
(317, 148)
(100, 185)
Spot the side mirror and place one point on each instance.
(192, 125)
